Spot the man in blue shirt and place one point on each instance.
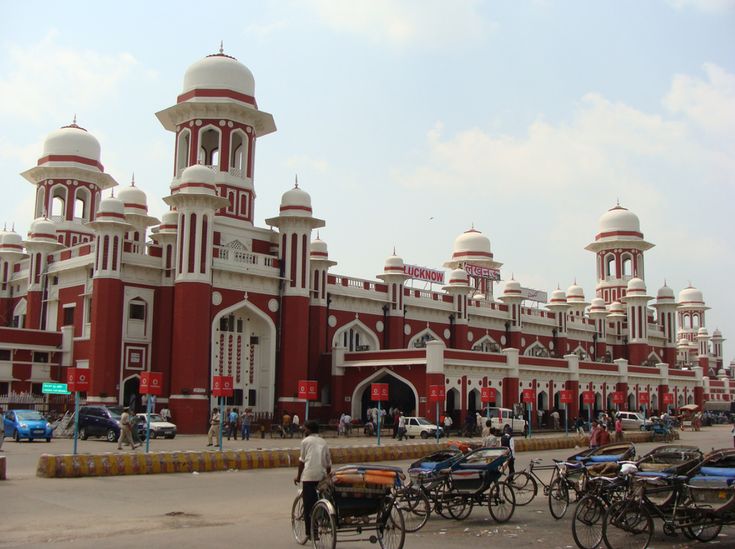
(232, 421)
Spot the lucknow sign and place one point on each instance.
(434, 276)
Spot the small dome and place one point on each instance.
(458, 277)
(683, 342)
(717, 333)
(619, 219)
(690, 297)
(558, 297)
(219, 72)
(169, 222)
(472, 245)
(702, 331)
(196, 179)
(512, 289)
(393, 264)
(616, 308)
(296, 202)
(42, 229)
(636, 286)
(665, 293)
(71, 141)
(111, 209)
(318, 249)
(575, 294)
(134, 199)
(598, 306)
(10, 241)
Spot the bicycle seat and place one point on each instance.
(536, 461)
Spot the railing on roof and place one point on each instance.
(244, 258)
(357, 283)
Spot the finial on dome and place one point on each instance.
(665, 284)
(296, 181)
(617, 201)
(394, 249)
(5, 227)
(13, 227)
(112, 193)
(132, 181)
(221, 47)
(75, 119)
(512, 276)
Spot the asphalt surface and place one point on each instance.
(248, 509)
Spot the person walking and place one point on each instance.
(246, 420)
(166, 414)
(618, 429)
(507, 441)
(126, 431)
(489, 435)
(295, 423)
(401, 426)
(447, 423)
(555, 418)
(315, 463)
(595, 434)
(213, 427)
(603, 437)
(232, 422)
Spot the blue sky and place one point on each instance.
(409, 121)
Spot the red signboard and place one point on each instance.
(437, 393)
(151, 383)
(667, 398)
(566, 397)
(77, 379)
(308, 389)
(644, 398)
(222, 386)
(618, 397)
(378, 391)
(588, 397)
(529, 395)
(487, 395)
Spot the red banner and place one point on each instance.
(437, 393)
(588, 397)
(644, 398)
(77, 379)
(529, 395)
(667, 398)
(151, 383)
(618, 397)
(308, 389)
(488, 395)
(566, 397)
(378, 391)
(222, 386)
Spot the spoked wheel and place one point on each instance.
(589, 518)
(390, 527)
(442, 497)
(501, 501)
(708, 530)
(558, 498)
(459, 507)
(524, 487)
(627, 525)
(415, 507)
(298, 525)
(323, 527)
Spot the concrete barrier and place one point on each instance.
(114, 464)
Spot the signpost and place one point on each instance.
(667, 399)
(379, 393)
(618, 398)
(487, 395)
(77, 380)
(528, 397)
(55, 389)
(588, 397)
(221, 388)
(151, 384)
(307, 391)
(565, 398)
(644, 399)
(437, 394)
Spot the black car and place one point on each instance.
(100, 421)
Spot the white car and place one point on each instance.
(500, 417)
(421, 427)
(633, 421)
(159, 427)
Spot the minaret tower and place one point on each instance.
(513, 298)
(575, 299)
(11, 252)
(666, 317)
(459, 289)
(619, 248)
(559, 305)
(691, 312)
(717, 340)
(69, 179)
(42, 242)
(295, 225)
(394, 276)
(598, 313)
(472, 250)
(136, 213)
(319, 303)
(636, 301)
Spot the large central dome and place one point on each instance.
(619, 219)
(219, 72)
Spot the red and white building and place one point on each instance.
(100, 284)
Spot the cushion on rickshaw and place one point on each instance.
(705, 481)
(718, 471)
(605, 459)
(653, 474)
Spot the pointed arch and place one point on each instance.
(58, 196)
(360, 388)
(536, 349)
(474, 401)
(40, 201)
(542, 400)
(356, 336)
(486, 344)
(581, 353)
(420, 340)
(82, 199)
(183, 150)
(210, 144)
(239, 151)
(652, 359)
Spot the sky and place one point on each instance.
(410, 121)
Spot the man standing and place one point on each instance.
(2, 428)
(286, 425)
(126, 431)
(213, 427)
(555, 419)
(232, 421)
(401, 426)
(245, 421)
(595, 434)
(295, 423)
(507, 441)
(315, 463)
(447, 423)
(618, 429)
(166, 414)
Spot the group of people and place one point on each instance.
(494, 438)
(555, 418)
(600, 431)
(234, 422)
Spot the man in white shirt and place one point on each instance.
(401, 427)
(295, 420)
(315, 462)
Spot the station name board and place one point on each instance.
(416, 272)
(482, 272)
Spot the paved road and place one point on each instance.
(248, 509)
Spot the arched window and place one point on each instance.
(610, 267)
(58, 203)
(421, 339)
(627, 265)
(486, 345)
(355, 336)
(81, 204)
(581, 353)
(209, 145)
(239, 155)
(536, 349)
(40, 201)
(182, 151)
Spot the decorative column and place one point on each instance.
(598, 313)
(394, 277)
(622, 384)
(666, 318)
(572, 384)
(636, 301)
(513, 298)
(511, 379)
(558, 304)
(458, 289)
(434, 376)
(40, 245)
(318, 305)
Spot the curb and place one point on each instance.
(113, 464)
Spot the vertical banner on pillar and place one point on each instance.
(437, 393)
(487, 395)
(222, 386)
(644, 398)
(618, 397)
(667, 398)
(151, 383)
(378, 392)
(588, 397)
(308, 389)
(566, 397)
(528, 395)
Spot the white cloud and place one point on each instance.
(707, 6)
(47, 79)
(431, 24)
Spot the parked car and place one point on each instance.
(100, 421)
(159, 427)
(28, 424)
(633, 421)
(421, 427)
(500, 417)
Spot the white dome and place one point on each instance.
(665, 293)
(619, 219)
(636, 286)
(472, 245)
(72, 141)
(458, 277)
(219, 72)
(169, 222)
(43, 228)
(616, 308)
(318, 249)
(717, 333)
(702, 331)
(575, 293)
(196, 179)
(11, 241)
(134, 199)
(683, 342)
(690, 296)
(558, 297)
(512, 288)
(394, 264)
(296, 202)
(111, 208)
(598, 306)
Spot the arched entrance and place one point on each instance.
(401, 394)
(632, 403)
(131, 394)
(473, 401)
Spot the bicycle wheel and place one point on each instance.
(415, 507)
(587, 523)
(298, 525)
(323, 527)
(524, 486)
(501, 501)
(627, 525)
(459, 507)
(390, 527)
(442, 496)
(707, 530)
(558, 498)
